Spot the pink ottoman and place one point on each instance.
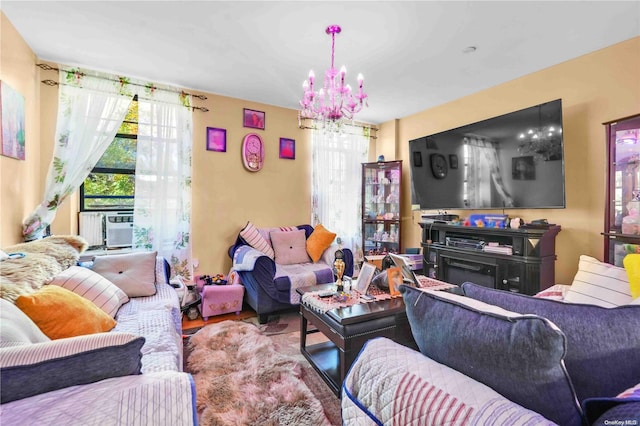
(221, 299)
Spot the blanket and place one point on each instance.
(392, 384)
(41, 260)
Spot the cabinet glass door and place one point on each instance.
(381, 183)
(622, 227)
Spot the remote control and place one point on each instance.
(325, 294)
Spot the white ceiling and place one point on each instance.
(411, 53)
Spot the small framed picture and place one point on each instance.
(453, 161)
(417, 158)
(216, 139)
(287, 148)
(523, 168)
(253, 119)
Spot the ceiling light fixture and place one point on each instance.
(335, 101)
(541, 142)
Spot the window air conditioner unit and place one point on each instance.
(119, 229)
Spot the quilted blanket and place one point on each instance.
(164, 398)
(390, 384)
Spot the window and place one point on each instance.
(111, 183)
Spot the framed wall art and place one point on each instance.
(523, 168)
(287, 148)
(216, 139)
(12, 112)
(453, 161)
(253, 119)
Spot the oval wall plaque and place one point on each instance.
(252, 152)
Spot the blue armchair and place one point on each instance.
(270, 287)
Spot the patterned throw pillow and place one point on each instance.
(290, 247)
(599, 283)
(43, 367)
(252, 237)
(92, 286)
(61, 313)
(319, 240)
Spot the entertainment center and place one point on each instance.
(457, 254)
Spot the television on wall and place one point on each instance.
(514, 161)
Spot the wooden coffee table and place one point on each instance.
(347, 330)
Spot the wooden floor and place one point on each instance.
(199, 322)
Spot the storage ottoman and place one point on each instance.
(221, 299)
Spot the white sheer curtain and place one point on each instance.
(90, 111)
(483, 167)
(336, 184)
(162, 206)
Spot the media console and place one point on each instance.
(457, 254)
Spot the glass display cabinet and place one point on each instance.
(622, 210)
(381, 183)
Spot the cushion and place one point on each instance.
(632, 266)
(599, 283)
(319, 240)
(44, 367)
(60, 313)
(92, 286)
(134, 273)
(290, 247)
(16, 328)
(252, 237)
(519, 356)
(602, 343)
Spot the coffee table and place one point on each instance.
(347, 330)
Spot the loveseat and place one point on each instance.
(81, 346)
(273, 262)
(501, 358)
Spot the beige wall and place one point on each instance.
(595, 88)
(20, 181)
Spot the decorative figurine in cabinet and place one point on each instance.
(381, 184)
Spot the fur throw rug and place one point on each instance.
(43, 259)
(242, 380)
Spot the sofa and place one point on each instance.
(273, 262)
(568, 356)
(90, 345)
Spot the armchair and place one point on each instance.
(271, 286)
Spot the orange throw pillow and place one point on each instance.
(61, 313)
(319, 240)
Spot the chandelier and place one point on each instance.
(544, 143)
(335, 101)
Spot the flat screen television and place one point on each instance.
(514, 161)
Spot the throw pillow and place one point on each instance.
(599, 283)
(519, 356)
(134, 273)
(632, 266)
(93, 287)
(602, 343)
(44, 367)
(290, 247)
(60, 313)
(319, 240)
(252, 237)
(16, 328)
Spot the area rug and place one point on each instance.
(244, 377)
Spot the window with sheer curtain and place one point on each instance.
(336, 184)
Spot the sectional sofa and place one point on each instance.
(501, 358)
(90, 345)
